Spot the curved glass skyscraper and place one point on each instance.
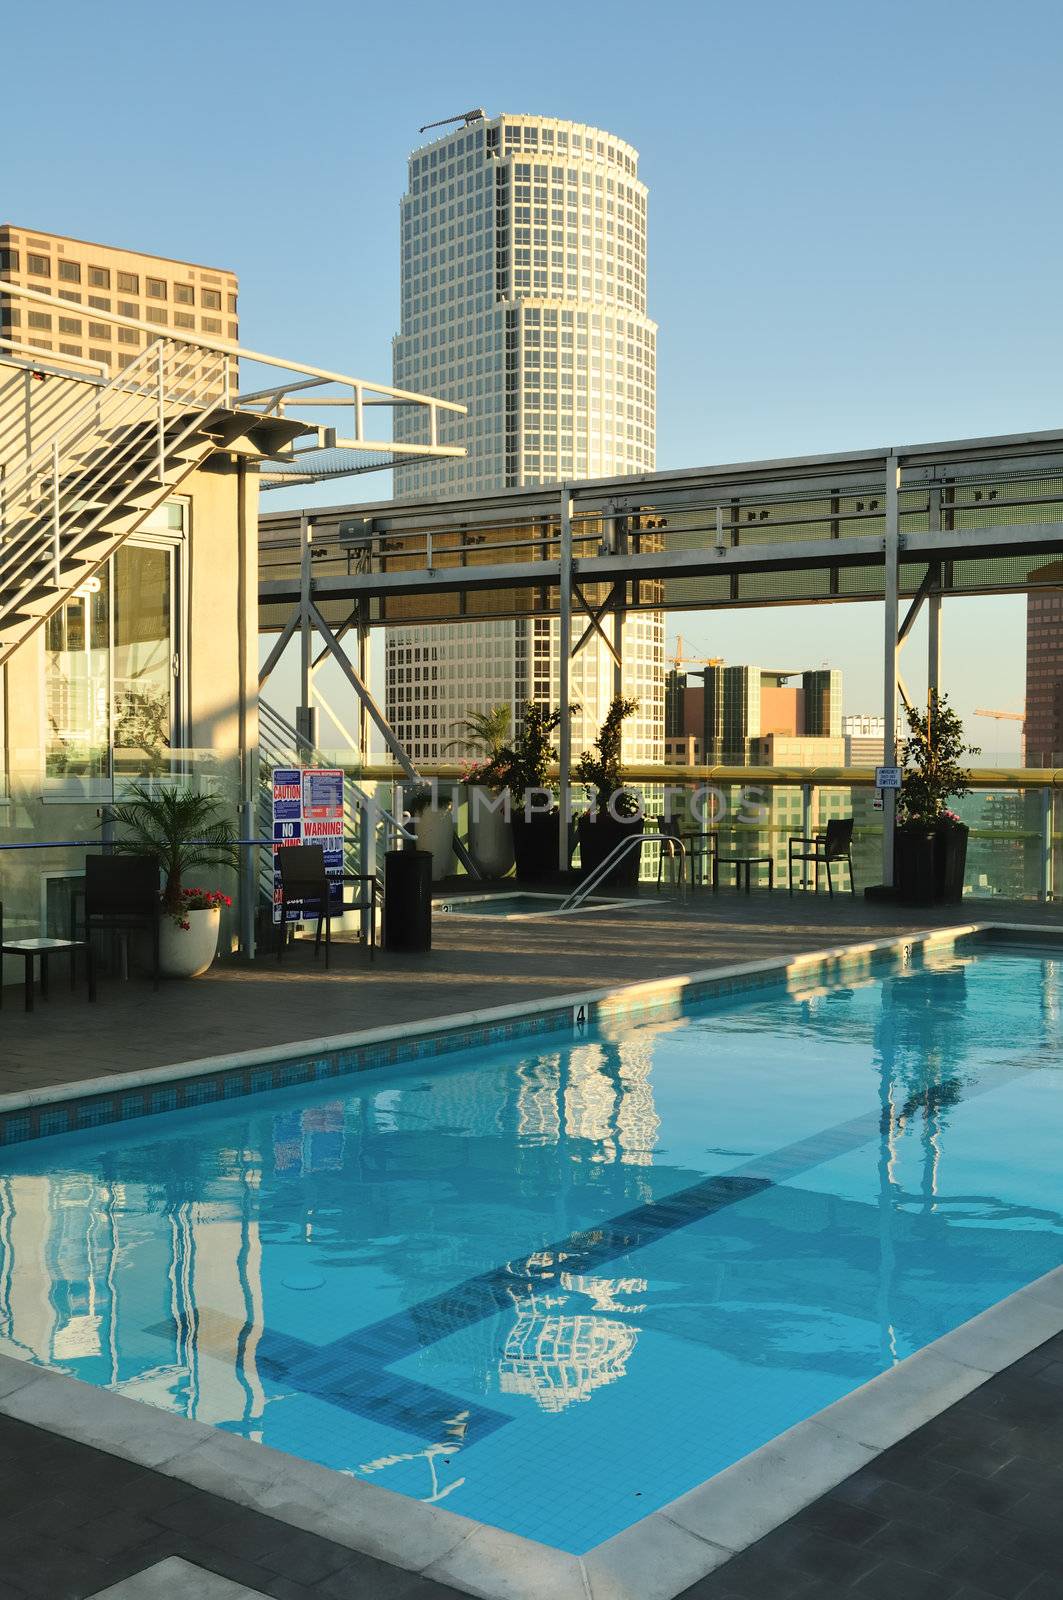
(524, 297)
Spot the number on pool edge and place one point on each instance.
(579, 1019)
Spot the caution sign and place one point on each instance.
(308, 809)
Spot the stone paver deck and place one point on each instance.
(966, 1508)
(474, 963)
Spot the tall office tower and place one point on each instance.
(1043, 732)
(524, 297)
(823, 703)
(174, 295)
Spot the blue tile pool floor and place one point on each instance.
(553, 1288)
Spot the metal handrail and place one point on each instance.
(617, 854)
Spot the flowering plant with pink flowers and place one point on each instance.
(197, 900)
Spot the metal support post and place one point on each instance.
(363, 673)
(1047, 802)
(807, 803)
(933, 642)
(564, 742)
(162, 416)
(618, 638)
(248, 877)
(55, 516)
(889, 677)
(305, 717)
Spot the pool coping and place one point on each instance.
(671, 1548)
(445, 904)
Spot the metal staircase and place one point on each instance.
(106, 461)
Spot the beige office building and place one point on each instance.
(177, 295)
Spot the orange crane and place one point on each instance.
(679, 660)
(1002, 716)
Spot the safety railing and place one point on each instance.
(299, 390)
(626, 846)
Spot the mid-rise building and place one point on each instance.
(524, 298)
(177, 296)
(822, 693)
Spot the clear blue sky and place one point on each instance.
(855, 217)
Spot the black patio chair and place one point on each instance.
(835, 845)
(305, 883)
(121, 894)
(698, 848)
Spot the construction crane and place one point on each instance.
(1002, 716)
(463, 116)
(679, 660)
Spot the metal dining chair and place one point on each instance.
(835, 845)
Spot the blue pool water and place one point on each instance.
(556, 1285)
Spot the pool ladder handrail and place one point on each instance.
(602, 870)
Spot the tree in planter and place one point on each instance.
(930, 757)
(615, 813)
(599, 770)
(525, 764)
(517, 769)
(180, 829)
(483, 734)
(931, 841)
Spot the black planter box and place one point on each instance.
(535, 846)
(950, 861)
(598, 838)
(915, 866)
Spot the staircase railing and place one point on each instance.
(603, 869)
(119, 446)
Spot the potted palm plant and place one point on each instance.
(930, 841)
(523, 769)
(484, 735)
(180, 829)
(615, 813)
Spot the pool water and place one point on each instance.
(555, 1285)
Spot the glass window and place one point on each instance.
(129, 282)
(70, 272)
(210, 299)
(39, 266)
(156, 288)
(109, 670)
(184, 294)
(100, 277)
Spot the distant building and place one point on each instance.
(523, 295)
(823, 703)
(1044, 670)
(865, 741)
(177, 295)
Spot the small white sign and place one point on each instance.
(580, 1019)
(887, 777)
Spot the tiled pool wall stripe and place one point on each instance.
(71, 1108)
(654, 1559)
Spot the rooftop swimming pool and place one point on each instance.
(555, 1284)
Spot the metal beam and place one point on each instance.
(279, 648)
(390, 737)
(1013, 539)
(564, 742)
(595, 623)
(889, 676)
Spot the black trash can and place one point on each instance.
(408, 900)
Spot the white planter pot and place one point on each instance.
(435, 832)
(186, 952)
(490, 841)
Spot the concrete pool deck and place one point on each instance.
(687, 1543)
